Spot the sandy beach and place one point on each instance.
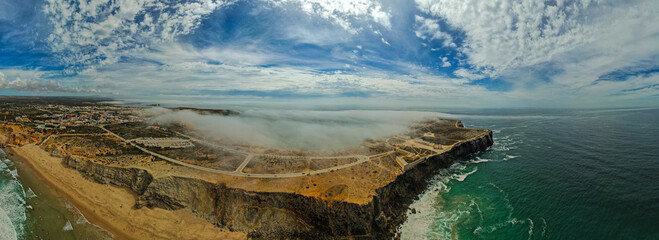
(112, 207)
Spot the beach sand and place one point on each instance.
(102, 204)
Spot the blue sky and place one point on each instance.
(443, 53)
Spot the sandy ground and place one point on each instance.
(102, 204)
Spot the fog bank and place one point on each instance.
(294, 129)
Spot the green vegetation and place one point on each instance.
(132, 130)
(81, 130)
(204, 156)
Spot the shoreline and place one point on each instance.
(113, 211)
(78, 205)
(49, 210)
(100, 192)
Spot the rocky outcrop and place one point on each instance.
(201, 111)
(13, 135)
(394, 199)
(261, 214)
(133, 178)
(18, 139)
(272, 215)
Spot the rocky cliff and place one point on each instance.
(272, 215)
(136, 179)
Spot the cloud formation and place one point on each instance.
(478, 53)
(506, 35)
(92, 32)
(40, 86)
(294, 129)
(342, 13)
(429, 29)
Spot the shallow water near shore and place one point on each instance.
(559, 174)
(42, 214)
(12, 201)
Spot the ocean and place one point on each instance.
(551, 174)
(30, 209)
(12, 201)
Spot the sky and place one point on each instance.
(388, 53)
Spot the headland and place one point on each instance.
(138, 180)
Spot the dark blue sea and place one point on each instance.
(551, 174)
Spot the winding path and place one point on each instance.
(249, 157)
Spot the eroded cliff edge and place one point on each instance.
(276, 215)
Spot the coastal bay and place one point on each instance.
(111, 207)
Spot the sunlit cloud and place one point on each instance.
(473, 53)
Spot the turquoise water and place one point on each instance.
(591, 174)
(559, 174)
(12, 201)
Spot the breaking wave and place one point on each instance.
(12, 201)
(427, 214)
(417, 224)
(479, 160)
(439, 211)
(462, 177)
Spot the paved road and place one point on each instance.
(249, 156)
(245, 162)
(44, 140)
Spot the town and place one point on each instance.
(94, 128)
(50, 118)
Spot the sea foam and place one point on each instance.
(462, 177)
(480, 160)
(12, 204)
(7, 229)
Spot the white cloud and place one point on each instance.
(39, 85)
(513, 40)
(342, 12)
(639, 90)
(509, 33)
(183, 69)
(91, 32)
(385, 41)
(580, 39)
(445, 62)
(429, 29)
(464, 73)
(238, 55)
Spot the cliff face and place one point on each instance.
(136, 179)
(14, 135)
(265, 215)
(395, 198)
(261, 214)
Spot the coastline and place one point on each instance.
(103, 195)
(110, 207)
(79, 205)
(48, 211)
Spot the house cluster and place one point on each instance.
(163, 142)
(60, 117)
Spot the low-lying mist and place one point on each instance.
(310, 130)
